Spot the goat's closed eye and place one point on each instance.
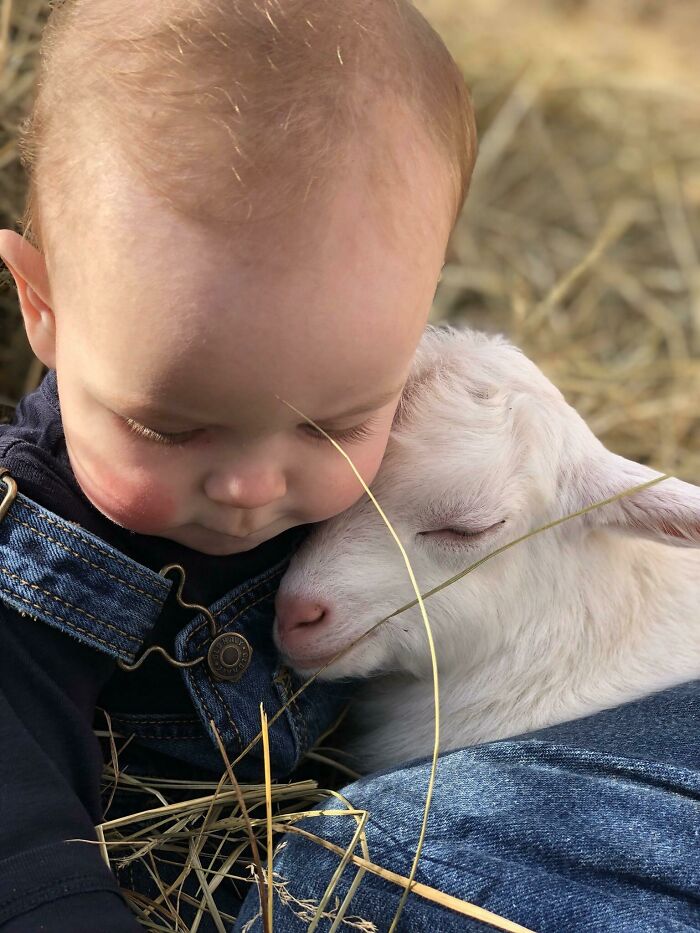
(459, 536)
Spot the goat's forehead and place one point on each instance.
(473, 451)
(453, 398)
(478, 361)
(475, 410)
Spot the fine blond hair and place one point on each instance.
(216, 104)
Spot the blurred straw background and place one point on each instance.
(580, 236)
(580, 240)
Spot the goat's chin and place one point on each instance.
(360, 661)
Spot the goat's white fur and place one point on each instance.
(598, 611)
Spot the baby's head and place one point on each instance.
(231, 205)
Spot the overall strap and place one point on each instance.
(55, 571)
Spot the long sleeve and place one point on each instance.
(50, 765)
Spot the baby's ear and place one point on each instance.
(668, 511)
(28, 267)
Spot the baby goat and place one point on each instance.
(598, 611)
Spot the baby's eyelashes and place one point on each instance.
(168, 439)
(349, 435)
(159, 437)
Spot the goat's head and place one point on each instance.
(484, 449)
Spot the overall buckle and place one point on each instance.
(229, 653)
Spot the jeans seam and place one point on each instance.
(296, 716)
(228, 715)
(240, 612)
(35, 586)
(70, 624)
(85, 560)
(170, 738)
(126, 719)
(209, 713)
(191, 635)
(65, 527)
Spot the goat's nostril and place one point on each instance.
(318, 617)
(294, 613)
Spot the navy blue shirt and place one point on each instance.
(50, 685)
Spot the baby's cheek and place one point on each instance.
(137, 501)
(341, 487)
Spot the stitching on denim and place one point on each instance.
(112, 648)
(298, 723)
(297, 715)
(209, 713)
(35, 586)
(261, 582)
(228, 714)
(74, 531)
(85, 560)
(245, 608)
(256, 586)
(128, 720)
(305, 743)
(169, 738)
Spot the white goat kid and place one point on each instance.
(595, 612)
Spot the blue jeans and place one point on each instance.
(592, 825)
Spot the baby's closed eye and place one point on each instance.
(170, 439)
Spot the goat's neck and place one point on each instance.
(618, 622)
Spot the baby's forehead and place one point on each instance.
(195, 332)
(228, 110)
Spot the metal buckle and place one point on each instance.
(229, 653)
(10, 494)
(158, 649)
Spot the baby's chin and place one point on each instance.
(198, 538)
(213, 543)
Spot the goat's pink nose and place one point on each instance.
(295, 612)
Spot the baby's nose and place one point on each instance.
(251, 491)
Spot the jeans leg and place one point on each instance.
(588, 826)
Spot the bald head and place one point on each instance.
(238, 112)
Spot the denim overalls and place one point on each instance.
(56, 572)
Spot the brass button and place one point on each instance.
(229, 656)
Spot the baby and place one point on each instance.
(237, 212)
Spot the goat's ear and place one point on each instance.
(668, 511)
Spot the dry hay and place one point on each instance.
(580, 235)
(579, 240)
(228, 835)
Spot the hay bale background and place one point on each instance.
(580, 237)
